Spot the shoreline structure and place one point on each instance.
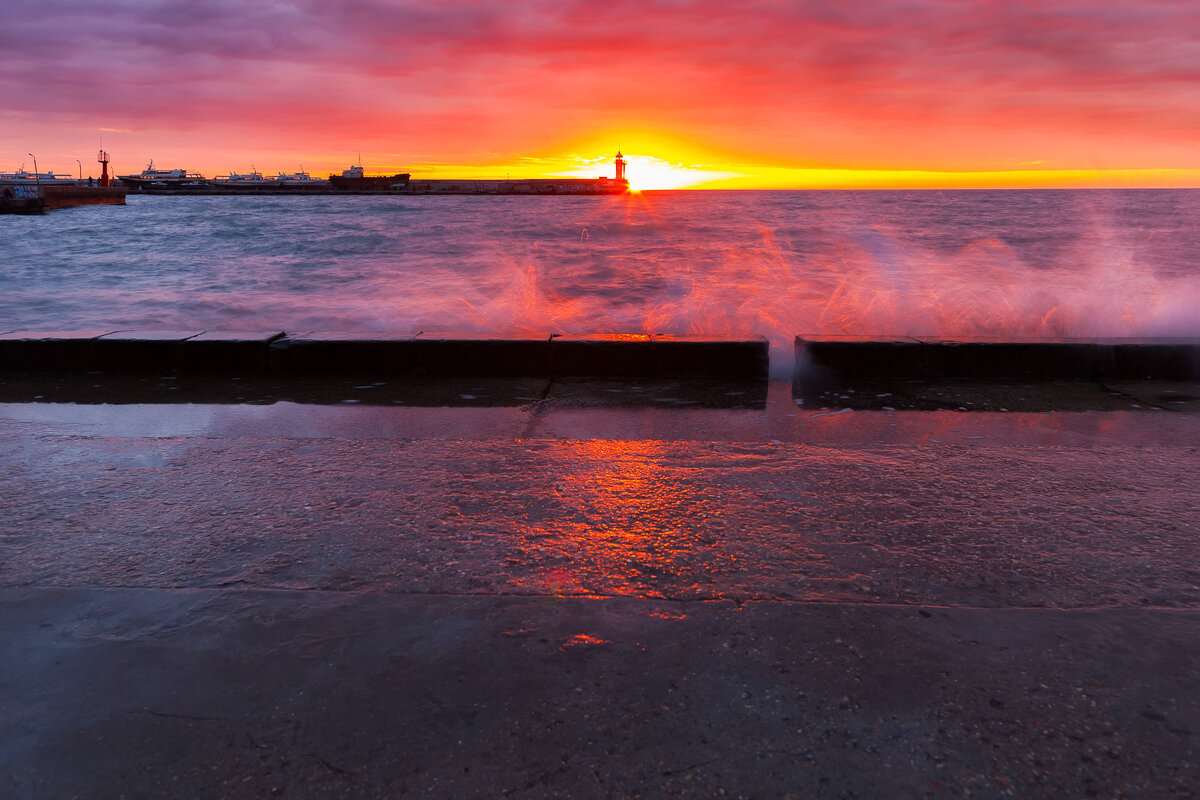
(24, 192)
(819, 360)
(355, 181)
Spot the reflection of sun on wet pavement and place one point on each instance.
(583, 639)
(561, 582)
(629, 521)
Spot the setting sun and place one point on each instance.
(650, 173)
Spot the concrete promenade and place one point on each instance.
(479, 588)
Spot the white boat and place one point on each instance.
(164, 179)
(299, 179)
(23, 178)
(244, 180)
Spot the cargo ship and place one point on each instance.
(355, 178)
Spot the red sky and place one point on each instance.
(925, 92)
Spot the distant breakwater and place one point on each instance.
(555, 186)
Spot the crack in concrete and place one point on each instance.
(169, 715)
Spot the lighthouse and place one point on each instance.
(620, 162)
(102, 159)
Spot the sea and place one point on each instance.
(1056, 263)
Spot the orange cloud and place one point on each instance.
(764, 89)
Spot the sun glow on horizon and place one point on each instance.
(703, 169)
(648, 173)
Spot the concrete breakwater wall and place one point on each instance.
(57, 196)
(523, 186)
(982, 359)
(596, 355)
(404, 353)
(471, 186)
(33, 199)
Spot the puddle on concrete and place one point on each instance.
(283, 419)
(781, 417)
(922, 395)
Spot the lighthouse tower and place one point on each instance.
(620, 162)
(103, 160)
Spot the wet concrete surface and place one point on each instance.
(601, 590)
(189, 693)
(949, 525)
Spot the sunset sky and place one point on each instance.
(750, 94)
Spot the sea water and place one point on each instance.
(777, 263)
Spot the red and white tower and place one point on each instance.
(103, 159)
(620, 162)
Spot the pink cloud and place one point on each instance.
(927, 83)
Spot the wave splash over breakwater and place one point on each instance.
(957, 264)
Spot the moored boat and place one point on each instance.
(23, 192)
(299, 180)
(356, 178)
(151, 178)
(23, 178)
(244, 180)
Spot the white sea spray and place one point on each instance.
(964, 263)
